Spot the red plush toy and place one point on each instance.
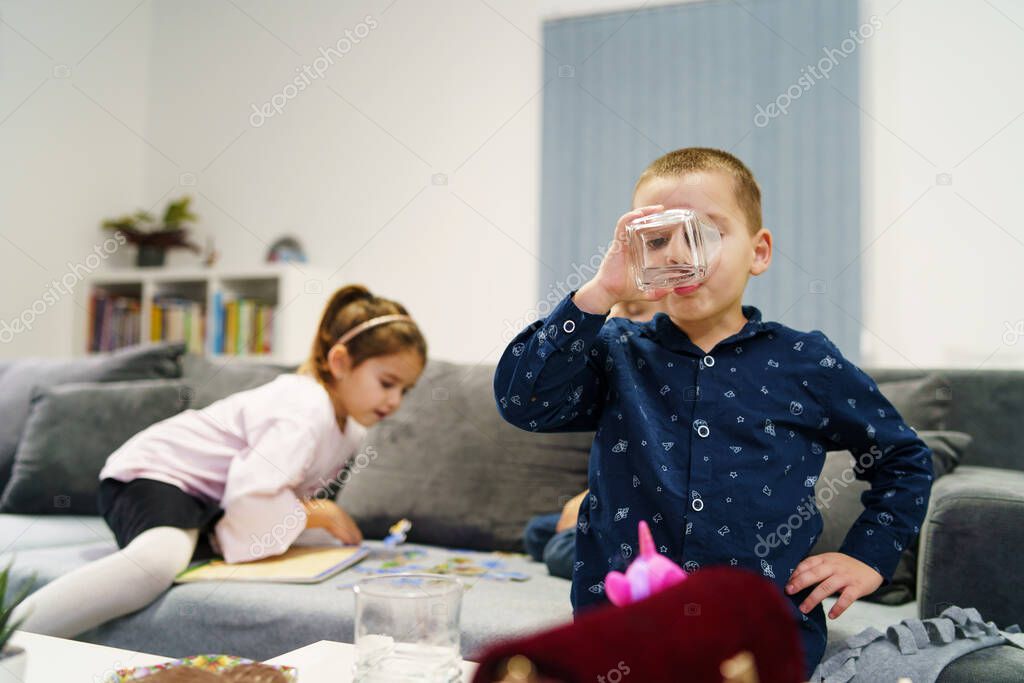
(685, 633)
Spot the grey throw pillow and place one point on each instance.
(923, 403)
(71, 431)
(24, 377)
(463, 476)
(212, 381)
(840, 505)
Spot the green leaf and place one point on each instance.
(7, 607)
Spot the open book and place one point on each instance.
(300, 564)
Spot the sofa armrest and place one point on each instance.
(971, 545)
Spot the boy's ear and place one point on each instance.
(339, 361)
(762, 243)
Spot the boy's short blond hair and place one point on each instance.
(697, 159)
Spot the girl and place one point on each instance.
(244, 471)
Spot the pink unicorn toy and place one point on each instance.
(648, 574)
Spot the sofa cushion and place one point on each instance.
(922, 402)
(71, 431)
(211, 381)
(970, 544)
(456, 470)
(261, 621)
(985, 403)
(842, 506)
(23, 532)
(23, 377)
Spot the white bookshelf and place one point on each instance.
(298, 293)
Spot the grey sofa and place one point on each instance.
(269, 619)
(971, 539)
(969, 551)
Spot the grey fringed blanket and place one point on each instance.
(916, 649)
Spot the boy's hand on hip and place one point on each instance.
(614, 282)
(834, 573)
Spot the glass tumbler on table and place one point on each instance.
(407, 629)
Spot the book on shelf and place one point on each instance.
(115, 320)
(242, 326)
(174, 319)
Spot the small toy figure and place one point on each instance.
(649, 573)
(397, 533)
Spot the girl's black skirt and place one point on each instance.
(132, 507)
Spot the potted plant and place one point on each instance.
(154, 237)
(12, 658)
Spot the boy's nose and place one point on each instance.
(680, 254)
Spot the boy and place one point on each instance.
(712, 425)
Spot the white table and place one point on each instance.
(56, 659)
(69, 661)
(330, 662)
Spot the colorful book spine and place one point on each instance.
(254, 329)
(218, 322)
(186, 324)
(195, 336)
(156, 323)
(177, 320)
(242, 326)
(268, 330)
(244, 336)
(115, 321)
(231, 333)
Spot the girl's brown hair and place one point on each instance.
(351, 306)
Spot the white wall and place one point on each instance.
(943, 272)
(350, 163)
(451, 87)
(67, 160)
(942, 263)
(441, 88)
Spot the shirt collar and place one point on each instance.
(665, 332)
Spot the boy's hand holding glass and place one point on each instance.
(614, 280)
(834, 573)
(326, 515)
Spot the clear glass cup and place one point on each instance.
(674, 248)
(407, 629)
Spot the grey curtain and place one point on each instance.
(623, 88)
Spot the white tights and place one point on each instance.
(110, 587)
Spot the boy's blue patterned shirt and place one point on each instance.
(719, 452)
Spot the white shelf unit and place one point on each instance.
(298, 293)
